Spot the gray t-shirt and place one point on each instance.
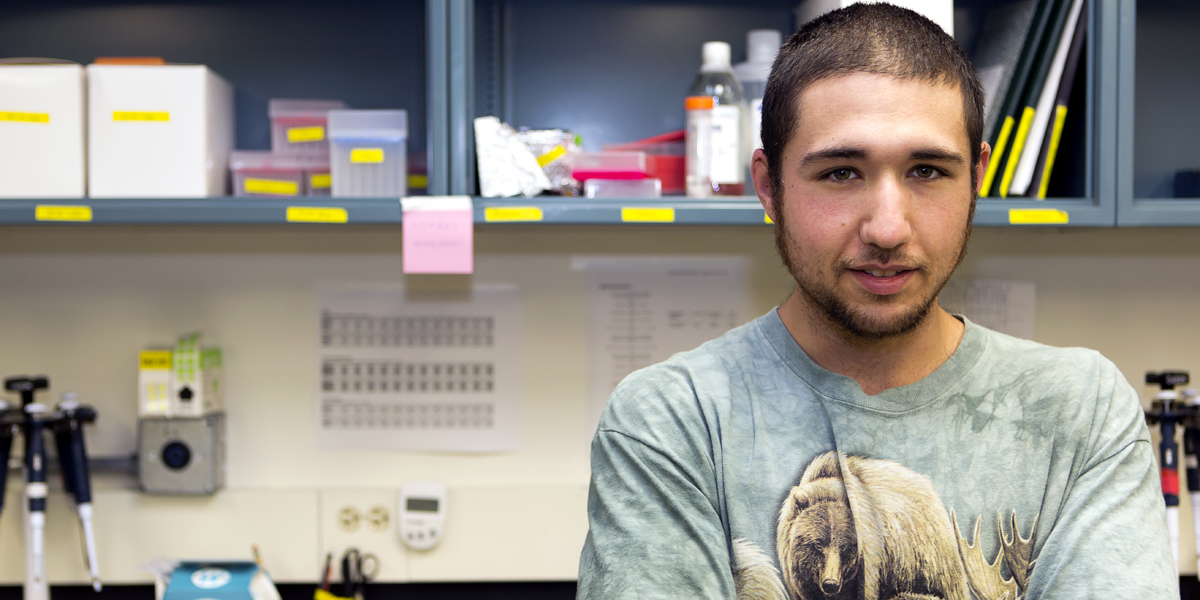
(743, 469)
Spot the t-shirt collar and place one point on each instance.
(840, 388)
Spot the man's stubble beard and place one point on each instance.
(856, 325)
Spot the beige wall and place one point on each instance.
(78, 303)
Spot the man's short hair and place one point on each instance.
(880, 39)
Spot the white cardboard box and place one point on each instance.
(41, 131)
(938, 11)
(158, 131)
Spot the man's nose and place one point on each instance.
(885, 223)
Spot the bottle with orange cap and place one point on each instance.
(714, 127)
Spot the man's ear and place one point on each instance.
(762, 182)
(985, 155)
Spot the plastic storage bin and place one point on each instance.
(368, 156)
(623, 188)
(261, 174)
(41, 131)
(298, 127)
(609, 165)
(664, 159)
(317, 179)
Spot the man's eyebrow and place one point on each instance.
(938, 154)
(855, 153)
(833, 153)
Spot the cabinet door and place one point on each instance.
(1160, 60)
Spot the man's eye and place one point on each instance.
(841, 174)
(926, 172)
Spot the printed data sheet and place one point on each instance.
(1005, 306)
(641, 310)
(424, 375)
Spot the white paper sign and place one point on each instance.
(424, 375)
(641, 310)
(1004, 306)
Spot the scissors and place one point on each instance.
(358, 569)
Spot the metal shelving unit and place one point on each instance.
(488, 57)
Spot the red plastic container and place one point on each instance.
(664, 159)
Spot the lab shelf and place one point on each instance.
(543, 210)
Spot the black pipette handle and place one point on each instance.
(35, 457)
(72, 451)
(6, 439)
(1191, 443)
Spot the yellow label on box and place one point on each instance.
(297, 135)
(313, 214)
(58, 212)
(648, 215)
(511, 214)
(418, 182)
(366, 155)
(320, 181)
(25, 117)
(132, 115)
(155, 359)
(274, 187)
(1038, 216)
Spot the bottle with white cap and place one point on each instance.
(714, 127)
(761, 47)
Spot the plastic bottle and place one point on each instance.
(715, 165)
(761, 47)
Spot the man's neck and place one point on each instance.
(876, 365)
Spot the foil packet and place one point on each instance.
(555, 150)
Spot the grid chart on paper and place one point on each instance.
(392, 377)
(361, 330)
(365, 414)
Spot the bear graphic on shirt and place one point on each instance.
(879, 532)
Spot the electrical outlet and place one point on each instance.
(378, 518)
(362, 519)
(348, 519)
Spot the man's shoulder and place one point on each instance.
(1013, 361)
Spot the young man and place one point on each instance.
(859, 441)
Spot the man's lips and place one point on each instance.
(883, 280)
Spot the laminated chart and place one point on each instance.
(641, 310)
(397, 374)
(998, 304)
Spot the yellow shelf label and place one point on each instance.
(418, 181)
(25, 117)
(133, 115)
(648, 215)
(274, 187)
(314, 214)
(1037, 216)
(366, 155)
(511, 214)
(154, 359)
(297, 135)
(59, 212)
(321, 181)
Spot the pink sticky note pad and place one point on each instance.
(438, 241)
